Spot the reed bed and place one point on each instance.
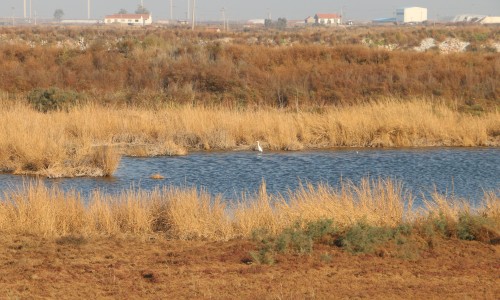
(88, 140)
(186, 213)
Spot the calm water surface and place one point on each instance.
(461, 172)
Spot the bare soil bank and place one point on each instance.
(153, 267)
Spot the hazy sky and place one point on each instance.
(251, 9)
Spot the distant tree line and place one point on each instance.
(280, 24)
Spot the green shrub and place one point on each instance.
(300, 240)
(475, 227)
(52, 99)
(265, 255)
(261, 235)
(321, 229)
(294, 240)
(363, 238)
(442, 225)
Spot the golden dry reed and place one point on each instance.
(185, 213)
(87, 141)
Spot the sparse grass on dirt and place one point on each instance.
(152, 267)
(87, 140)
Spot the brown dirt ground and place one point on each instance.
(157, 268)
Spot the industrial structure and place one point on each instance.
(129, 19)
(411, 15)
(478, 19)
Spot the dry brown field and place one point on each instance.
(152, 267)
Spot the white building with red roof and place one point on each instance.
(328, 19)
(129, 19)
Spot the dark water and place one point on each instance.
(461, 172)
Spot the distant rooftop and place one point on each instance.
(384, 20)
(328, 16)
(128, 16)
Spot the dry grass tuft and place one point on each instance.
(157, 176)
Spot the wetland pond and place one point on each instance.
(460, 172)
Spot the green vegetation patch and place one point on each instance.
(53, 99)
(475, 228)
(297, 239)
(365, 238)
(358, 238)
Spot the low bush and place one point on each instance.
(297, 239)
(358, 238)
(294, 240)
(475, 227)
(363, 238)
(52, 99)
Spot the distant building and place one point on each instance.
(81, 22)
(129, 19)
(481, 19)
(411, 15)
(328, 19)
(296, 23)
(467, 18)
(256, 22)
(309, 20)
(384, 20)
(490, 20)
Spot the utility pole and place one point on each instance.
(171, 11)
(193, 16)
(25, 9)
(88, 9)
(223, 10)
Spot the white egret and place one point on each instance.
(259, 148)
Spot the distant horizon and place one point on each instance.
(238, 10)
